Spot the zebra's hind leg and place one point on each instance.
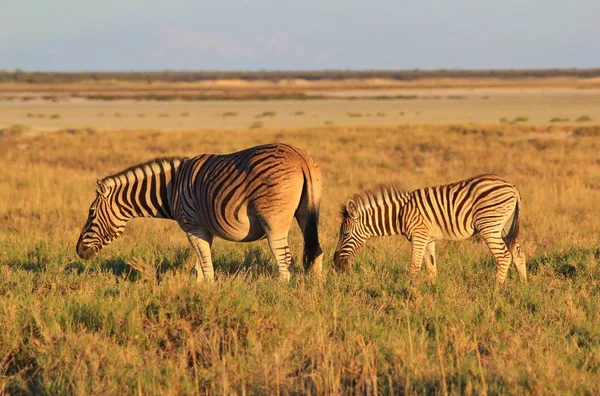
(201, 241)
(283, 255)
(498, 248)
(313, 254)
(430, 263)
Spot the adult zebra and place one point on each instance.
(243, 196)
(482, 204)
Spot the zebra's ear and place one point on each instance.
(352, 209)
(101, 188)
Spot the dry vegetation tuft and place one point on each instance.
(134, 321)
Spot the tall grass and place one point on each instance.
(134, 321)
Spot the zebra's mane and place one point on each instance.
(376, 194)
(158, 164)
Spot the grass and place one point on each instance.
(134, 321)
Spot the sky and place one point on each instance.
(124, 35)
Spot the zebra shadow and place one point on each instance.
(130, 270)
(568, 264)
(256, 263)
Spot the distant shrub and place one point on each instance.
(256, 125)
(299, 113)
(54, 116)
(380, 114)
(266, 114)
(327, 122)
(354, 115)
(117, 115)
(141, 115)
(229, 114)
(185, 114)
(401, 113)
(515, 120)
(559, 119)
(163, 115)
(584, 118)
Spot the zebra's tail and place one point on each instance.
(309, 206)
(513, 232)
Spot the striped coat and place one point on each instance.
(480, 205)
(243, 197)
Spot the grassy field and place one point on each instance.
(134, 321)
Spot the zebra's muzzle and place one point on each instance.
(340, 264)
(85, 252)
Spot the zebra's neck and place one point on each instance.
(145, 190)
(381, 210)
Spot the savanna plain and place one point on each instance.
(133, 320)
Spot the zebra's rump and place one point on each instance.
(232, 195)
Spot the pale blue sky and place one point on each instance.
(309, 34)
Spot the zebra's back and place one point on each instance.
(453, 211)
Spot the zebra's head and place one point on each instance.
(104, 224)
(352, 236)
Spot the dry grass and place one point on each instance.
(133, 320)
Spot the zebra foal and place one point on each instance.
(243, 197)
(480, 205)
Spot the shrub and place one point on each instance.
(584, 118)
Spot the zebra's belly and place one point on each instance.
(453, 234)
(247, 229)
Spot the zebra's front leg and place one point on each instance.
(430, 263)
(201, 241)
(419, 243)
(281, 250)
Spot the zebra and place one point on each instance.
(243, 196)
(480, 205)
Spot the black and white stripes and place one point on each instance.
(243, 196)
(482, 204)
